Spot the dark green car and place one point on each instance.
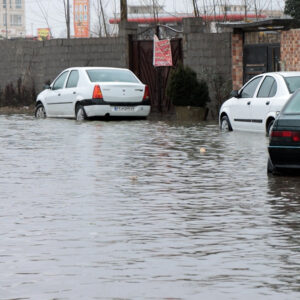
(284, 146)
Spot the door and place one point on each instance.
(69, 94)
(260, 58)
(53, 98)
(260, 105)
(241, 108)
(141, 63)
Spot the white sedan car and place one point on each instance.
(94, 92)
(255, 106)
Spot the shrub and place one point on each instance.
(184, 89)
(20, 95)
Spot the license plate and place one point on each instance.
(123, 108)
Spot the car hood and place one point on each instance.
(42, 94)
(227, 103)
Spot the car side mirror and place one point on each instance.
(235, 94)
(47, 87)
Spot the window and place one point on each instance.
(268, 88)
(4, 3)
(293, 106)
(73, 79)
(18, 3)
(4, 19)
(16, 20)
(293, 83)
(110, 75)
(59, 82)
(273, 90)
(250, 88)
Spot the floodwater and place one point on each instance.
(134, 210)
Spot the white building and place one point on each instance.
(12, 19)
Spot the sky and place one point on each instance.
(38, 11)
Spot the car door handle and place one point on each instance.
(74, 93)
(268, 102)
(249, 102)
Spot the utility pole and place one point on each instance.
(68, 19)
(123, 6)
(6, 20)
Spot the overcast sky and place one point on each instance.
(37, 11)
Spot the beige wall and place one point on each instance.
(15, 10)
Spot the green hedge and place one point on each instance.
(184, 89)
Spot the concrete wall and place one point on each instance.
(36, 62)
(209, 55)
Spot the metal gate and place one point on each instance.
(141, 63)
(260, 58)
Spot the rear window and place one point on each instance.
(111, 76)
(293, 83)
(293, 105)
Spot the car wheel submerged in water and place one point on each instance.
(270, 168)
(269, 128)
(225, 124)
(80, 113)
(40, 112)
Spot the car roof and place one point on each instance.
(95, 68)
(284, 74)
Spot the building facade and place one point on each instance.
(12, 19)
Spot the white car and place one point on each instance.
(94, 92)
(255, 106)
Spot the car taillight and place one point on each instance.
(293, 135)
(97, 94)
(146, 93)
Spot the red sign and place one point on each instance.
(162, 56)
(81, 18)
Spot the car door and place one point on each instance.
(69, 94)
(53, 99)
(240, 109)
(260, 105)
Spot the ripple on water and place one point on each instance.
(135, 210)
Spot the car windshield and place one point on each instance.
(293, 83)
(110, 75)
(293, 106)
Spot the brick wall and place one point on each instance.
(290, 50)
(237, 60)
(36, 62)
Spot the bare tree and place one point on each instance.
(123, 8)
(101, 20)
(196, 10)
(45, 16)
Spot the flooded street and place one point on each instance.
(134, 210)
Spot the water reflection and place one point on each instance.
(285, 220)
(135, 210)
